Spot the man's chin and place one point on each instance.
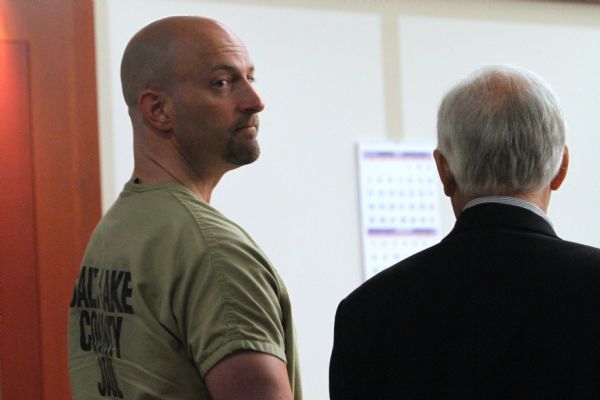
(242, 156)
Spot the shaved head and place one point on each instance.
(153, 57)
(188, 83)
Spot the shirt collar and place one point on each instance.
(511, 201)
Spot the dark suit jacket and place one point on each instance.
(500, 309)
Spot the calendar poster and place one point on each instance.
(400, 213)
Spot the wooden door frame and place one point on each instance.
(65, 159)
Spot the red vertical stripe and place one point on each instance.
(20, 365)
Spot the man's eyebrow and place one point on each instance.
(229, 68)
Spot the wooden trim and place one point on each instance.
(65, 166)
(20, 367)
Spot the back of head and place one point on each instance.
(147, 60)
(501, 131)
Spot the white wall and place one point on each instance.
(325, 71)
(568, 57)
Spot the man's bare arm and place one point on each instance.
(249, 375)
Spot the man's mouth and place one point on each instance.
(248, 126)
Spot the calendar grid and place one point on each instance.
(400, 212)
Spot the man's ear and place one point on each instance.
(562, 171)
(446, 175)
(156, 109)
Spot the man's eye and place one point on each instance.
(221, 83)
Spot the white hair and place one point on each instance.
(502, 132)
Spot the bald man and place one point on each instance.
(174, 300)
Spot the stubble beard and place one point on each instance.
(240, 150)
(241, 153)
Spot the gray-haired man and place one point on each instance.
(501, 308)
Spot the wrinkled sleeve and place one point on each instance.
(231, 303)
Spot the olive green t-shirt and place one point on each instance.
(168, 287)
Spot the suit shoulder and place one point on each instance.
(402, 277)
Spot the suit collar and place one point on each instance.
(511, 201)
(490, 215)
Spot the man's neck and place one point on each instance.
(151, 171)
(201, 189)
(157, 160)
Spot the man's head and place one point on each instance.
(501, 132)
(188, 84)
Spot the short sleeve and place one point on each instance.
(230, 302)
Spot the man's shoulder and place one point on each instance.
(403, 277)
(577, 255)
(168, 203)
(580, 247)
(452, 261)
(154, 199)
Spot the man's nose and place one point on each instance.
(251, 102)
